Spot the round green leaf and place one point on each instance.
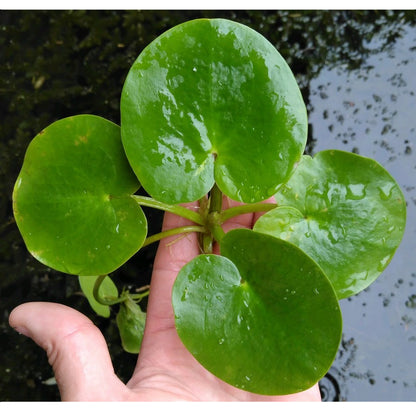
(212, 100)
(263, 318)
(72, 199)
(131, 321)
(346, 212)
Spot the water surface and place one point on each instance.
(372, 111)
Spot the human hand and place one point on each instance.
(165, 370)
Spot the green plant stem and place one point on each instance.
(113, 301)
(139, 296)
(217, 232)
(246, 209)
(213, 223)
(215, 199)
(174, 209)
(105, 301)
(173, 231)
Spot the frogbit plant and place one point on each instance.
(211, 109)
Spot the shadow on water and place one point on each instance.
(356, 71)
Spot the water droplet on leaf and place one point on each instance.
(356, 191)
(383, 263)
(184, 295)
(386, 191)
(334, 236)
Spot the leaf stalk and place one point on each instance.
(174, 209)
(246, 209)
(173, 231)
(105, 301)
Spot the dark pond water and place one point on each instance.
(372, 111)
(357, 74)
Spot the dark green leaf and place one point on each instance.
(263, 318)
(346, 212)
(212, 100)
(72, 199)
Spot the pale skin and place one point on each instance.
(165, 369)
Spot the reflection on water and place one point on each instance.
(370, 110)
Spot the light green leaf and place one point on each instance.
(107, 289)
(131, 322)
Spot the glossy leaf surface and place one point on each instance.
(212, 100)
(107, 290)
(72, 199)
(131, 321)
(262, 317)
(346, 212)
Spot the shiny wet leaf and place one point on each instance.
(212, 100)
(262, 317)
(346, 212)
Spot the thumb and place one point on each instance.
(75, 347)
